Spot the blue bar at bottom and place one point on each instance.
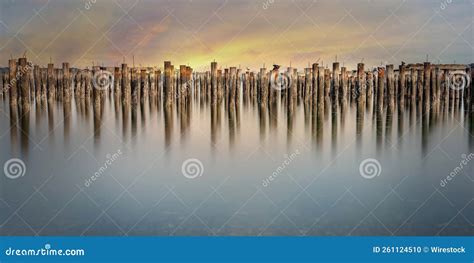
(237, 249)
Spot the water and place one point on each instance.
(313, 157)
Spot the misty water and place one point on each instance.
(264, 171)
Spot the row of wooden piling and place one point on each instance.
(423, 82)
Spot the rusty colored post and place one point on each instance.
(380, 87)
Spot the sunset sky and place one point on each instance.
(237, 32)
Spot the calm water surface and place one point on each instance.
(313, 154)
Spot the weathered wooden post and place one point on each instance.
(51, 81)
(182, 82)
(23, 69)
(343, 82)
(117, 76)
(380, 88)
(168, 92)
(390, 83)
(37, 81)
(232, 84)
(370, 85)
(307, 84)
(361, 83)
(263, 86)
(143, 84)
(314, 86)
(12, 82)
(427, 79)
(420, 79)
(402, 83)
(214, 91)
(159, 84)
(327, 83)
(66, 80)
(335, 80)
(135, 87)
(124, 85)
(413, 73)
(321, 86)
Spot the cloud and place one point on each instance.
(237, 32)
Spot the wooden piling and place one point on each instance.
(426, 82)
(380, 88)
(390, 83)
(12, 82)
(23, 69)
(335, 80)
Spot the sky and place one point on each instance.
(237, 32)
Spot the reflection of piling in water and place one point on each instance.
(360, 119)
(334, 125)
(13, 123)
